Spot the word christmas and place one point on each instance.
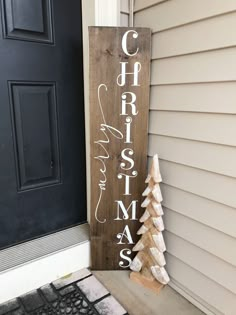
(119, 133)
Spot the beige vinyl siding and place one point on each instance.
(193, 129)
(202, 260)
(200, 209)
(124, 6)
(210, 66)
(215, 245)
(174, 13)
(124, 12)
(186, 152)
(195, 97)
(124, 19)
(215, 128)
(219, 29)
(140, 4)
(205, 184)
(222, 301)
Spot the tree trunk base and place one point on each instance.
(151, 284)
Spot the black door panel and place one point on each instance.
(34, 117)
(42, 145)
(28, 20)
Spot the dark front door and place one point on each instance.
(42, 147)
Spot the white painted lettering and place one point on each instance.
(128, 127)
(124, 256)
(126, 158)
(127, 181)
(120, 205)
(121, 79)
(124, 42)
(131, 103)
(125, 234)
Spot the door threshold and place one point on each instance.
(30, 265)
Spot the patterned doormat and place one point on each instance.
(78, 293)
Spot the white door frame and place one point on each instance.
(107, 12)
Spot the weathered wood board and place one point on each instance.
(119, 105)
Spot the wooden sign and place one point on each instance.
(119, 104)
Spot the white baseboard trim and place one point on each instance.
(37, 273)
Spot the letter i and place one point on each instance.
(128, 124)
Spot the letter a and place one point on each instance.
(126, 233)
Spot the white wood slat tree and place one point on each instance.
(148, 264)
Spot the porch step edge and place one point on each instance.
(36, 273)
(18, 255)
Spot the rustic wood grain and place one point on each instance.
(105, 56)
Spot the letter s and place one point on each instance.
(123, 256)
(126, 158)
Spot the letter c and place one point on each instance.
(124, 42)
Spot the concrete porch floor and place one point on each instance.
(140, 301)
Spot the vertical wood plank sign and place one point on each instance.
(119, 103)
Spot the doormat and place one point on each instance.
(78, 293)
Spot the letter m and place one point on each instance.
(120, 206)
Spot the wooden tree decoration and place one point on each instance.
(148, 264)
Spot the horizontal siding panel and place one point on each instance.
(178, 12)
(203, 97)
(195, 300)
(213, 66)
(124, 19)
(124, 6)
(143, 4)
(213, 241)
(208, 212)
(193, 130)
(202, 261)
(201, 286)
(216, 128)
(212, 186)
(187, 152)
(204, 35)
